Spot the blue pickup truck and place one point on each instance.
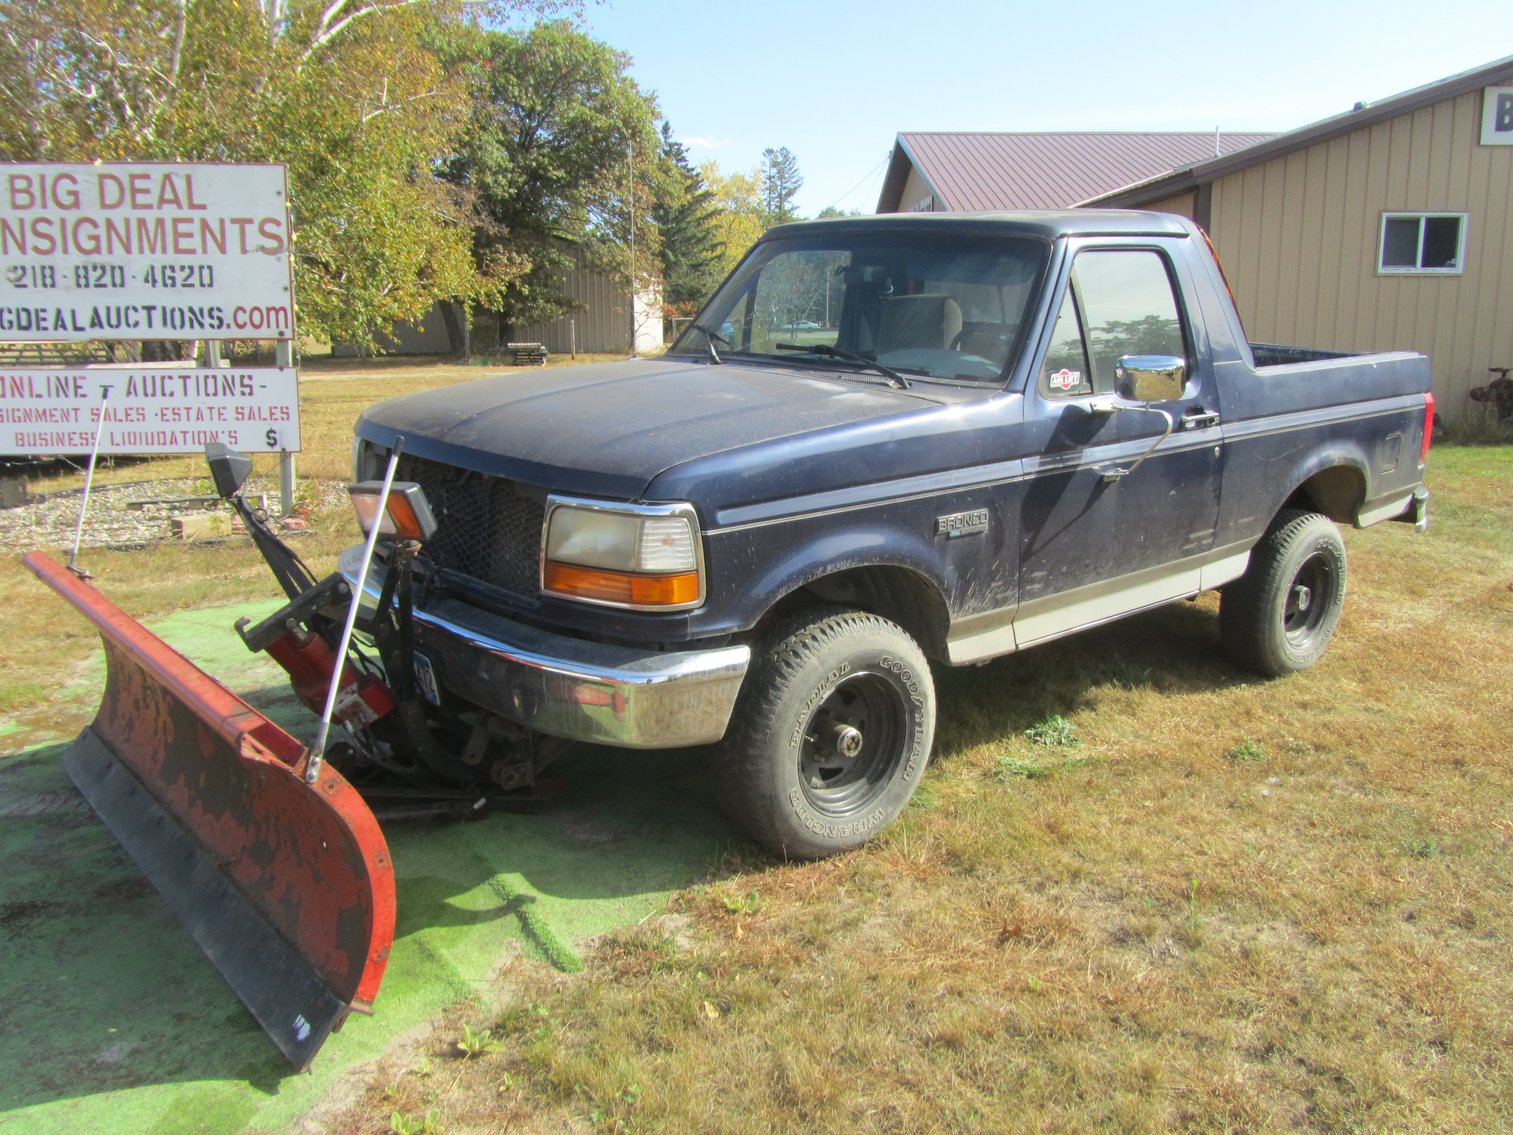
(885, 444)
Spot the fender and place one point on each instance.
(815, 548)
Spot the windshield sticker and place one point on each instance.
(1064, 379)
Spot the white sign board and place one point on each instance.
(1497, 116)
(144, 251)
(148, 410)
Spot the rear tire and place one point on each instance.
(832, 736)
(1279, 616)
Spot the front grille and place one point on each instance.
(486, 527)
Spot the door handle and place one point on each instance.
(1199, 419)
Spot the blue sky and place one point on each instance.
(834, 82)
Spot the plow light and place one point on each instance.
(642, 557)
(406, 515)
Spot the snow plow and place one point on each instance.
(287, 886)
(270, 858)
(269, 850)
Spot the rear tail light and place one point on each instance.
(1423, 452)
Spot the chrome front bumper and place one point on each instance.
(586, 691)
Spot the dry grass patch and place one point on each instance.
(1224, 904)
(1218, 904)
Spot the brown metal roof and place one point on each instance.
(977, 172)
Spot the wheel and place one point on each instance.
(1280, 615)
(832, 735)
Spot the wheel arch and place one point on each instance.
(1335, 487)
(902, 595)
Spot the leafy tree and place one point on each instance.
(558, 153)
(347, 93)
(740, 217)
(687, 221)
(781, 183)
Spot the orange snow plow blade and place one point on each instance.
(287, 887)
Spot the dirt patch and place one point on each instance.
(15, 916)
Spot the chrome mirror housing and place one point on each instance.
(1150, 378)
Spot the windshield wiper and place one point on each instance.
(709, 341)
(829, 352)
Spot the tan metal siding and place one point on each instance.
(1183, 204)
(1299, 238)
(915, 191)
(602, 325)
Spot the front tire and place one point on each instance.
(1279, 616)
(832, 735)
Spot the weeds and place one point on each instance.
(428, 1124)
(747, 904)
(1054, 732)
(1246, 750)
(1008, 766)
(477, 1042)
(1422, 848)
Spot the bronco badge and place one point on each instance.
(962, 524)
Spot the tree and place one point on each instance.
(347, 93)
(740, 218)
(558, 153)
(687, 220)
(781, 183)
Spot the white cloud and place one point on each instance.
(707, 143)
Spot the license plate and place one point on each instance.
(425, 680)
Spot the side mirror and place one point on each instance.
(1150, 378)
(228, 468)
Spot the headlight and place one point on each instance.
(643, 557)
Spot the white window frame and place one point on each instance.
(1460, 249)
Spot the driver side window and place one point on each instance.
(1118, 302)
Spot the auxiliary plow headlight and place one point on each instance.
(406, 516)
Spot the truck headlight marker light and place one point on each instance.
(645, 558)
(406, 516)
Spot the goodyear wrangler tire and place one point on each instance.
(832, 736)
(1279, 616)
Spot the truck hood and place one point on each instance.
(609, 429)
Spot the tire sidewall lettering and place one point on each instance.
(820, 693)
(905, 678)
(828, 829)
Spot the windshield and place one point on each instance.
(917, 302)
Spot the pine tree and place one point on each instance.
(685, 214)
(781, 182)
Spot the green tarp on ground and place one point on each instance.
(111, 1019)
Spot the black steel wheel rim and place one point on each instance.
(1310, 598)
(852, 744)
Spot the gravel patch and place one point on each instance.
(49, 520)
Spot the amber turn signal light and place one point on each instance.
(621, 587)
(406, 515)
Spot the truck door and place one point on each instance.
(1103, 532)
